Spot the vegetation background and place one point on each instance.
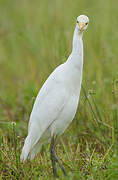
(35, 37)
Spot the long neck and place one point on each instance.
(77, 42)
(76, 57)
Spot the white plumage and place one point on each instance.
(57, 101)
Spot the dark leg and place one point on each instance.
(54, 158)
(52, 147)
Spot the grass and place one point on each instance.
(35, 37)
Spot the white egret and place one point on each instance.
(57, 101)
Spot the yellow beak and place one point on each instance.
(81, 25)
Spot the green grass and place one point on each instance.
(35, 37)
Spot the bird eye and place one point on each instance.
(77, 21)
(86, 23)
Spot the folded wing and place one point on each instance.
(48, 105)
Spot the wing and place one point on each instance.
(46, 109)
(48, 105)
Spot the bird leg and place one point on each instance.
(52, 148)
(54, 158)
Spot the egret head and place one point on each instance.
(82, 22)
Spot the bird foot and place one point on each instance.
(54, 158)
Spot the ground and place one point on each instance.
(35, 37)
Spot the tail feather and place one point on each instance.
(31, 147)
(31, 140)
(26, 149)
(33, 143)
(36, 149)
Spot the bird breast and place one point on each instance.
(70, 78)
(66, 115)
